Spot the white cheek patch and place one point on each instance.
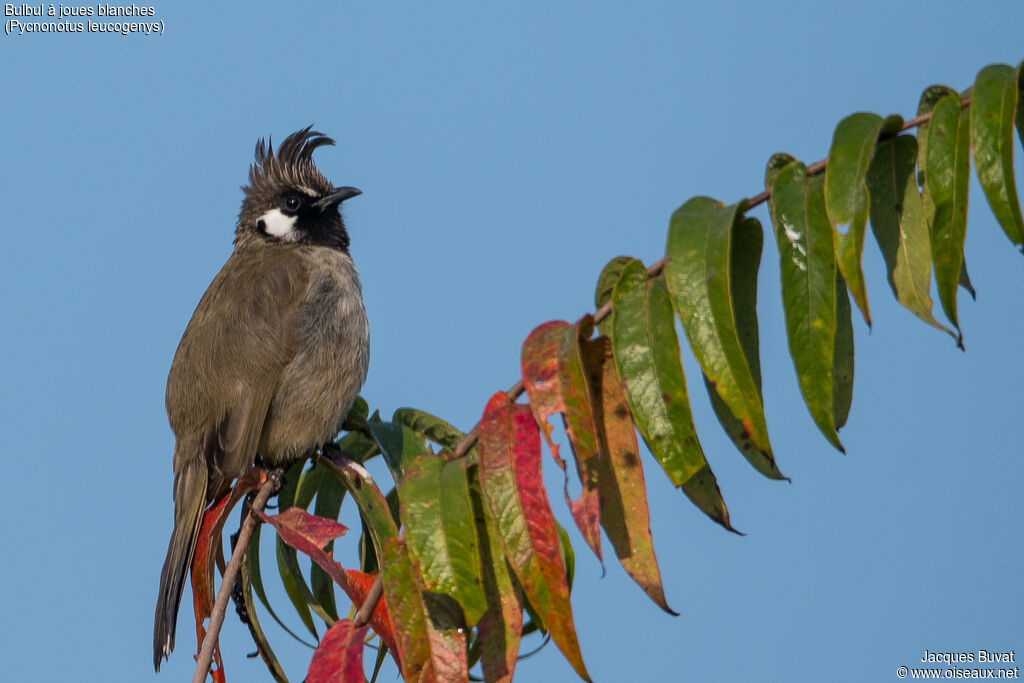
(278, 224)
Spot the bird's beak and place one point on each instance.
(337, 197)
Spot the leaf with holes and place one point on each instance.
(544, 358)
(513, 490)
(646, 352)
(440, 531)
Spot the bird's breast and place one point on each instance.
(320, 383)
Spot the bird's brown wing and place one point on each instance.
(230, 359)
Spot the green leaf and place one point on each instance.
(287, 560)
(1020, 98)
(605, 283)
(355, 420)
(775, 165)
(947, 172)
(846, 196)
(399, 445)
(430, 648)
(900, 226)
(513, 490)
(372, 507)
(646, 352)
(440, 531)
(993, 104)
(931, 95)
(252, 617)
(842, 364)
(429, 426)
(808, 267)
(625, 516)
(329, 497)
(700, 274)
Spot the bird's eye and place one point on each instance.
(292, 203)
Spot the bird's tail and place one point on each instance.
(189, 500)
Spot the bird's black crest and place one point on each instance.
(292, 164)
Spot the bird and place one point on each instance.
(274, 354)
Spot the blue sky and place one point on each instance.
(506, 152)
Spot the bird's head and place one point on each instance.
(289, 200)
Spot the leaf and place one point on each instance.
(931, 95)
(329, 497)
(513, 490)
(646, 352)
(255, 578)
(699, 273)
(208, 545)
(287, 561)
(303, 531)
(846, 196)
(581, 429)
(900, 226)
(993, 103)
(399, 445)
(372, 507)
(429, 652)
(339, 657)
(440, 531)
(842, 364)
(623, 494)
(309, 534)
(808, 270)
(429, 426)
(605, 284)
(777, 162)
(500, 626)
(545, 376)
(947, 172)
(252, 617)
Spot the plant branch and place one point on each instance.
(658, 266)
(220, 607)
(516, 390)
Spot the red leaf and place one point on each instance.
(339, 657)
(207, 548)
(301, 530)
(513, 489)
(355, 584)
(551, 370)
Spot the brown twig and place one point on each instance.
(230, 573)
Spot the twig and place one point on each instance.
(230, 573)
(369, 604)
